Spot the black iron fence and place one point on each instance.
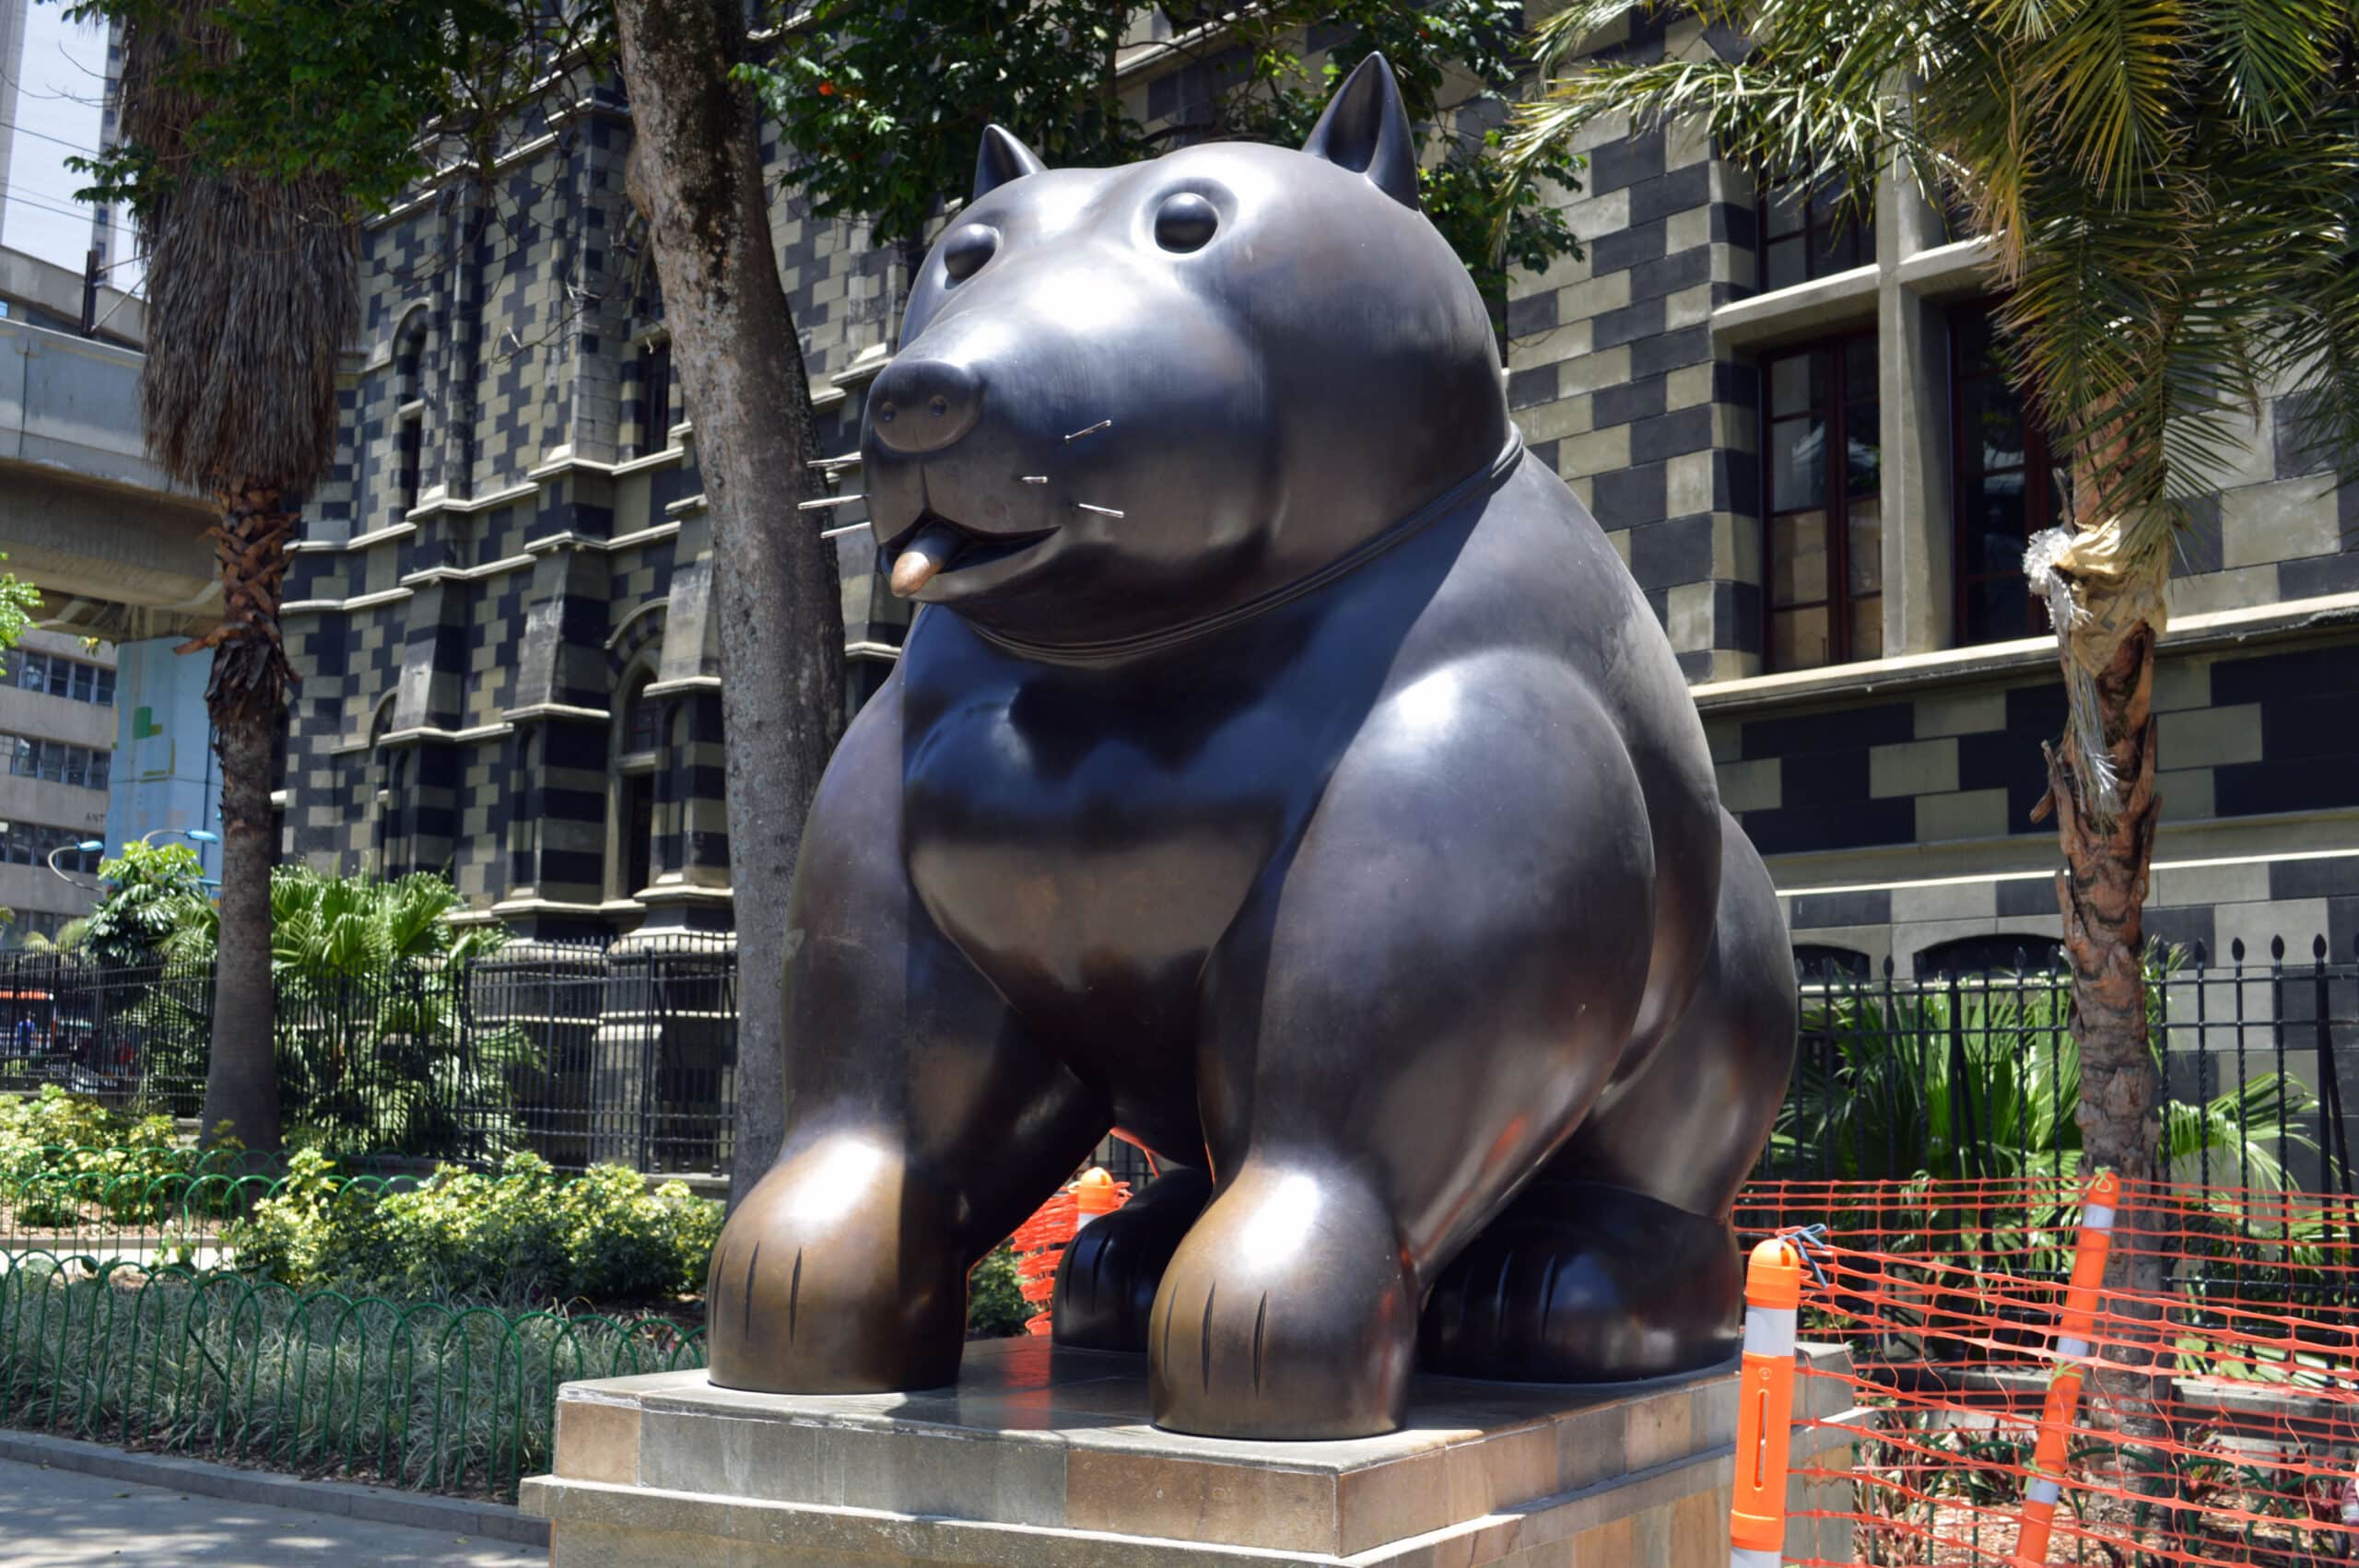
(1975, 1077)
(582, 1054)
(627, 1052)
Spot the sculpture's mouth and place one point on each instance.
(936, 549)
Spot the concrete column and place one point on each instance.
(1913, 345)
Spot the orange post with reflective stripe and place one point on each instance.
(1773, 1295)
(2076, 1340)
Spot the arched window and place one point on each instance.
(409, 411)
(638, 761)
(2002, 952)
(655, 412)
(1821, 961)
(391, 767)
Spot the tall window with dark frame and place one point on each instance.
(655, 397)
(409, 414)
(1822, 502)
(635, 803)
(1809, 233)
(2010, 485)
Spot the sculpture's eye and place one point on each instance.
(964, 253)
(1185, 222)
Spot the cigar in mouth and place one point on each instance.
(921, 557)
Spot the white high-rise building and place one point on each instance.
(57, 79)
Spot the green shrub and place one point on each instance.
(995, 1304)
(525, 1232)
(62, 1152)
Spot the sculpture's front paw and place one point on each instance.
(836, 1276)
(1288, 1314)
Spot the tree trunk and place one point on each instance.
(2101, 894)
(247, 698)
(696, 175)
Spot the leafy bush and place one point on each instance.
(995, 1305)
(525, 1232)
(61, 1151)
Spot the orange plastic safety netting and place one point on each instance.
(2203, 1410)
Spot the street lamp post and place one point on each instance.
(87, 847)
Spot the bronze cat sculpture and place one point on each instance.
(1286, 770)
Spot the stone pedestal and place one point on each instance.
(1044, 1458)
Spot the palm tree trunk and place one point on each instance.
(247, 698)
(696, 172)
(2101, 894)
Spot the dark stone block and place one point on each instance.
(1530, 316)
(2304, 446)
(2196, 547)
(1670, 435)
(1625, 247)
(2186, 928)
(1629, 496)
(1620, 404)
(1737, 224)
(2037, 712)
(1680, 190)
(1851, 729)
(1795, 830)
(1613, 165)
(2316, 576)
(1696, 665)
(1736, 384)
(1544, 453)
(1673, 272)
(1678, 550)
(2336, 878)
(2252, 788)
(1527, 388)
(1816, 911)
(2028, 897)
(2343, 927)
(2301, 673)
(1661, 352)
(1736, 483)
(1634, 321)
(1736, 616)
(2309, 728)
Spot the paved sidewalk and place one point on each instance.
(55, 1518)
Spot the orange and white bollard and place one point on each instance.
(2075, 1338)
(1773, 1297)
(1094, 1194)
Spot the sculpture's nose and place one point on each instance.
(922, 406)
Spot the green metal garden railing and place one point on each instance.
(122, 1321)
(421, 1394)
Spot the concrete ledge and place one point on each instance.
(383, 1506)
(1042, 1457)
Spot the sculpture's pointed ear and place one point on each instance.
(1367, 130)
(1002, 158)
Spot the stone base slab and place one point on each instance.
(1042, 1457)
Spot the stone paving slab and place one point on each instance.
(56, 1518)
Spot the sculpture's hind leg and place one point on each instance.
(1617, 1261)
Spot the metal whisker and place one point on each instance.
(840, 532)
(1101, 425)
(830, 464)
(826, 501)
(1034, 478)
(1101, 511)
